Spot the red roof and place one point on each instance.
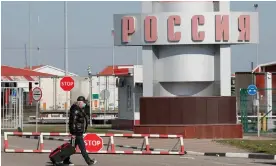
(19, 78)
(270, 66)
(13, 71)
(118, 70)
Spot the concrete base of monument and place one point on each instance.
(204, 131)
(124, 124)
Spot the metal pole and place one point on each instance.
(90, 94)
(20, 112)
(105, 102)
(91, 101)
(113, 59)
(30, 49)
(258, 117)
(66, 58)
(25, 52)
(36, 116)
(253, 82)
(257, 63)
(113, 73)
(114, 96)
(113, 52)
(38, 49)
(257, 46)
(134, 105)
(137, 55)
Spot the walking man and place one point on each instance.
(78, 123)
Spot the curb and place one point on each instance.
(236, 155)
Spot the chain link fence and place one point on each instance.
(261, 106)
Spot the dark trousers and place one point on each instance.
(80, 143)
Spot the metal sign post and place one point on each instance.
(90, 100)
(90, 95)
(37, 94)
(104, 96)
(36, 116)
(253, 90)
(258, 115)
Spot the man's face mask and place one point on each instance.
(81, 104)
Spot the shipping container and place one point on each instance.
(54, 98)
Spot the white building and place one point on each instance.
(54, 98)
(130, 89)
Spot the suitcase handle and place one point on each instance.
(73, 141)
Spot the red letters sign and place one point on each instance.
(67, 83)
(221, 28)
(93, 142)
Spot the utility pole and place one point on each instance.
(65, 39)
(257, 46)
(257, 63)
(113, 51)
(25, 53)
(90, 94)
(105, 100)
(30, 44)
(137, 55)
(66, 58)
(38, 48)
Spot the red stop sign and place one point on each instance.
(67, 83)
(93, 142)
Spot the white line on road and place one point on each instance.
(223, 163)
(187, 158)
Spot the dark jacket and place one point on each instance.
(87, 110)
(78, 121)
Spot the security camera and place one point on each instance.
(256, 5)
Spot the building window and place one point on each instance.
(129, 98)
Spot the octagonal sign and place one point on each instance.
(93, 142)
(67, 83)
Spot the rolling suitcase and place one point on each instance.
(62, 152)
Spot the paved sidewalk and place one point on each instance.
(207, 145)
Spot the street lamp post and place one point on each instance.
(90, 94)
(30, 38)
(66, 60)
(257, 98)
(257, 46)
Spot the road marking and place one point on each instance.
(187, 158)
(195, 153)
(223, 163)
(238, 155)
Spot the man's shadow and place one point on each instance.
(267, 163)
(49, 163)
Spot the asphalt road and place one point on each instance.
(10, 159)
(27, 159)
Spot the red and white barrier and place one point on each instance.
(145, 148)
